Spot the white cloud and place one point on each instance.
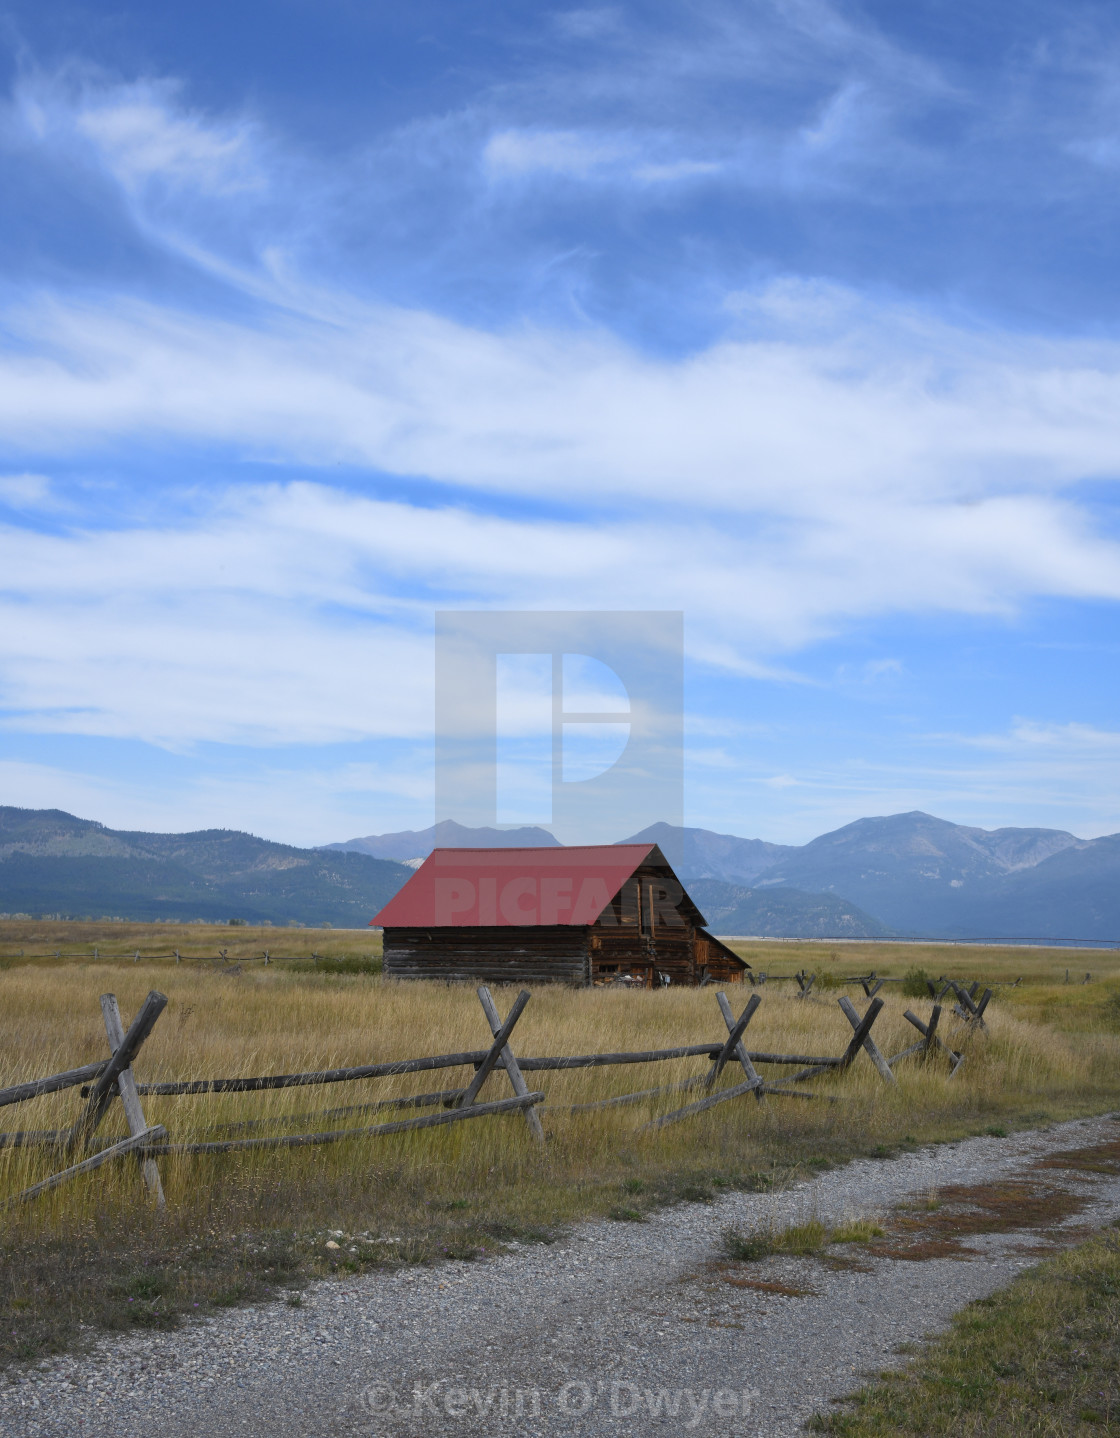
(138, 132)
(775, 490)
(298, 614)
(142, 137)
(523, 152)
(832, 457)
(1033, 737)
(891, 406)
(26, 491)
(673, 170)
(591, 155)
(873, 462)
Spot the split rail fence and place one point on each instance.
(221, 960)
(102, 1082)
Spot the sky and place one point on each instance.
(800, 318)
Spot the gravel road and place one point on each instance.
(618, 1331)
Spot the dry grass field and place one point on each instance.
(26, 939)
(245, 1224)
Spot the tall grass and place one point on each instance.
(269, 1021)
(239, 1224)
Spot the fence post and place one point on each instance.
(734, 1044)
(101, 1093)
(866, 1040)
(126, 1086)
(741, 1049)
(512, 1068)
(501, 1039)
(930, 1032)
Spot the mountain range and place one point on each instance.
(906, 875)
(912, 875)
(922, 875)
(54, 864)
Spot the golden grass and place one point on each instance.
(269, 1021)
(37, 939)
(465, 1187)
(999, 963)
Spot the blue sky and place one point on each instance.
(800, 318)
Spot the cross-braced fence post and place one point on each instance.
(931, 1038)
(126, 1087)
(101, 1092)
(506, 1056)
(861, 1038)
(734, 1047)
(967, 1007)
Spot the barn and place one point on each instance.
(602, 914)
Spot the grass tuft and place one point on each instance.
(857, 1230)
(800, 1241)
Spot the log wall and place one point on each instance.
(501, 955)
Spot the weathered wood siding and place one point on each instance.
(722, 967)
(640, 933)
(533, 954)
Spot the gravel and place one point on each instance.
(619, 1330)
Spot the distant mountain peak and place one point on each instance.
(703, 854)
(447, 834)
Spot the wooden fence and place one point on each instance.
(100, 1083)
(220, 958)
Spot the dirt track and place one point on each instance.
(621, 1330)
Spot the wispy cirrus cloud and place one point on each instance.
(815, 456)
(139, 131)
(876, 403)
(143, 137)
(520, 154)
(565, 152)
(27, 492)
(291, 590)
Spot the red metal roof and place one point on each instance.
(515, 887)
